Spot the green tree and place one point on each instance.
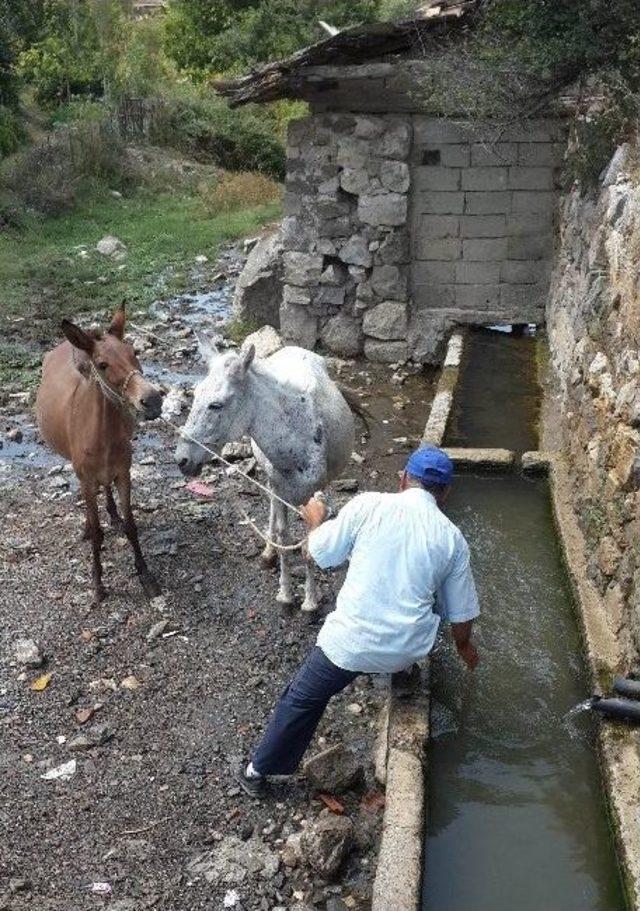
(222, 36)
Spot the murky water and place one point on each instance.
(516, 816)
(496, 401)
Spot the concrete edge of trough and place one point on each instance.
(443, 399)
(617, 745)
(400, 758)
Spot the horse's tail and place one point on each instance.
(353, 401)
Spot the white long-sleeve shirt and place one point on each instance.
(409, 567)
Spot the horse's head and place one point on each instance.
(117, 369)
(222, 406)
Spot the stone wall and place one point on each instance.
(398, 226)
(593, 320)
(482, 222)
(345, 234)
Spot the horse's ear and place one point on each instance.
(117, 322)
(77, 336)
(247, 355)
(207, 349)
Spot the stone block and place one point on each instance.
(335, 227)
(477, 273)
(396, 139)
(483, 225)
(298, 326)
(487, 202)
(394, 176)
(525, 272)
(389, 282)
(437, 273)
(438, 131)
(343, 335)
(386, 321)
(301, 297)
(435, 202)
(532, 223)
(494, 155)
(519, 300)
(530, 246)
(355, 251)
(481, 458)
(538, 155)
(434, 297)
(386, 209)
(483, 179)
(385, 352)
(394, 249)
(477, 297)
(521, 178)
(369, 127)
(329, 295)
(334, 274)
(532, 202)
(484, 249)
(331, 206)
(302, 269)
(534, 131)
(354, 181)
(439, 226)
(455, 155)
(433, 248)
(292, 203)
(426, 177)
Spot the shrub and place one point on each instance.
(11, 131)
(46, 175)
(242, 140)
(237, 191)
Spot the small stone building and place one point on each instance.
(400, 223)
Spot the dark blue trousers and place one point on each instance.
(298, 713)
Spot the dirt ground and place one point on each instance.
(172, 714)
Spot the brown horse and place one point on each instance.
(92, 387)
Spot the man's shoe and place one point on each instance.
(253, 787)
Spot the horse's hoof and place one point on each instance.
(309, 607)
(151, 587)
(268, 558)
(285, 598)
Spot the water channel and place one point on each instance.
(516, 815)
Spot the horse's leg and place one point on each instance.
(94, 533)
(149, 584)
(269, 555)
(310, 602)
(112, 509)
(285, 591)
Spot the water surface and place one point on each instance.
(516, 817)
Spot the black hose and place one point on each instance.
(626, 687)
(615, 707)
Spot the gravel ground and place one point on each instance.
(171, 714)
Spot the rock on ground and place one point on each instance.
(266, 341)
(233, 860)
(27, 652)
(259, 288)
(110, 245)
(326, 843)
(334, 770)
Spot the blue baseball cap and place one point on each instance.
(430, 465)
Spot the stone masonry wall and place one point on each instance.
(345, 234)
(593, 321)
(398, 226)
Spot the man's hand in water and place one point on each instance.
(314, 513)
(466, 648)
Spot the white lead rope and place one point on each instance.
(183, 433)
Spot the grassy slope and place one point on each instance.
(44, 279)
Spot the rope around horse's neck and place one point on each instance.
(187, 436)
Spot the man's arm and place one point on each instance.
(466, 648)
(458, 602)
(330, 543)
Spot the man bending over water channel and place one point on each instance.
(408, 570)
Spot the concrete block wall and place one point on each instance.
(482, 220)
